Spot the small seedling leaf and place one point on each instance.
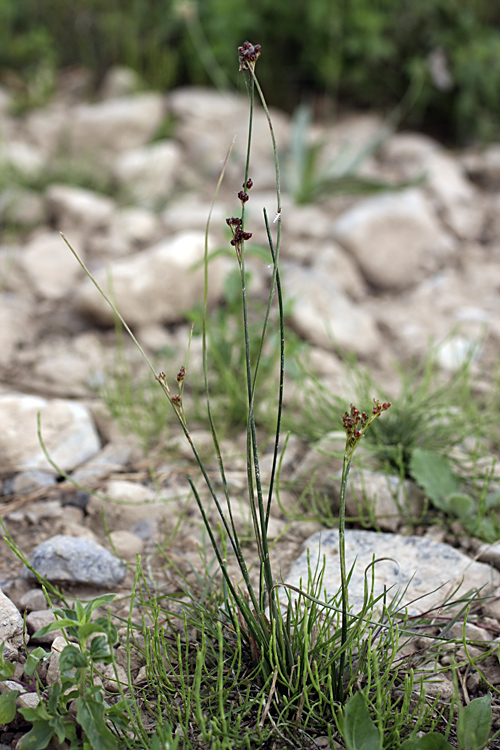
(360, 733)
(434, 474)
(431, 741)
(8, 706)
(474, 724)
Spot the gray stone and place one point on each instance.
(382, 498)
(159, 284)
(75, 209)
(33, 600)
(49, 267)
(150, 173)
(396, 238)
(109, 127)
(28, 481)
(325, 316)
(11, 627)
(67, 429)
(76, 560)
(39, 619)
(16, 325)
(422, 572)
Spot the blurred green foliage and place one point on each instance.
(357, 52)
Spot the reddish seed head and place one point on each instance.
(181, 374)
(176, 400)
(248, 54)
(243, 196)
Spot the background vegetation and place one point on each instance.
(439, 60)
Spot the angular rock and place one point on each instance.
(15, 325)
(149, 173)
(11, 627)
(325, 316)
(115, 125)
(456, 197)
(74, 209)
(395, 238)
(413, 568)
(126, 544)
(67, 428)
(76, 560)
(382, 498)
(160, 284)
(37, 620)
(126, 504)
(208, 122)
(49, 266)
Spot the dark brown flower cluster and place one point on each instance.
(181, 375)
(243, 195)
(248, 54)
(238, 234)
(355, 422)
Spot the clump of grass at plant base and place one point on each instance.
(441, 433)
(251, 661)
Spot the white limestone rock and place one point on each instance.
(325, 316)
(150, 173)
(67, 429)
(158, 285)
(49, 266)
(396, 239)
(422, 572)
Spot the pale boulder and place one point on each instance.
(114, 125)
(76, 209)
(149, 173)
(49, 267)
(67, 430)
(396, 238)
(325, 316)
(159, 284)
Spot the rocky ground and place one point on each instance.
(379, 276)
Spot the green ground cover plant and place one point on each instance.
(247, 661)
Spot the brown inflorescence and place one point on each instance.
(181, 374)
(355, 422)
(248, 54)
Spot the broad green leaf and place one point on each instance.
(474, 724)
(431, 741)
(461, 505)
(434, 474)
(57, 625)
(71, 657)
(84, 631)
(38, 737)
(99, 650)
(360, 733)
(98, 602)
(7, 668)
(8, 706)
(90, 716)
